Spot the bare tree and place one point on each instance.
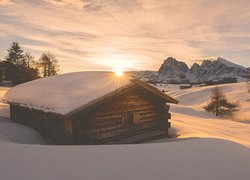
(220, 105)
(48, 64)
(30, 60)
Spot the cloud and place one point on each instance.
(73, 3)
(95, 34)
(5, 2)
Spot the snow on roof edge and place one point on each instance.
(62, 93)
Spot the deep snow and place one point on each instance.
(197, 159)
(176, 159)
(17, 133)
(191, 120)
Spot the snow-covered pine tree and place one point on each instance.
(220, 105)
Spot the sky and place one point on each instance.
(128, 34)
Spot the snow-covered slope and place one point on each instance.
(63, 93)
(191, 120)
(228, 63)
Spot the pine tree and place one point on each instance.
(220, 105)
(15, 55)
(48, 64)
(17, 65)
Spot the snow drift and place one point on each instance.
(18, 133)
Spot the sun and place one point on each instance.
(118, 72)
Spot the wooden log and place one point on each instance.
(169, 115)
(124, 111)
(167, 107)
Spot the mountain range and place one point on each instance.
(210, 70)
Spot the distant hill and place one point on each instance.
(209, 71)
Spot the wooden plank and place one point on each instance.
(124, 111)
(101, 118)
(144, 116)
(167, 107)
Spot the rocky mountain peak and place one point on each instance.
(170, 60)
(210, 70)
(195, 67)
(206, 63)
(171, 65)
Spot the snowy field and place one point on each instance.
(191, 120)
(208, 148)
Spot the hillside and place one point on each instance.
(191, 120)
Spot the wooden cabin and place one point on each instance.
(132, 112)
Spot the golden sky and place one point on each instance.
(135, 34)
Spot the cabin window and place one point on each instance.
(130, 119)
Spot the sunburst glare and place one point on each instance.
(118, 72)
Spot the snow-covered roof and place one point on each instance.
(64, 93)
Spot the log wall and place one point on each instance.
(132, 113)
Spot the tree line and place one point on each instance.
(19, 66)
